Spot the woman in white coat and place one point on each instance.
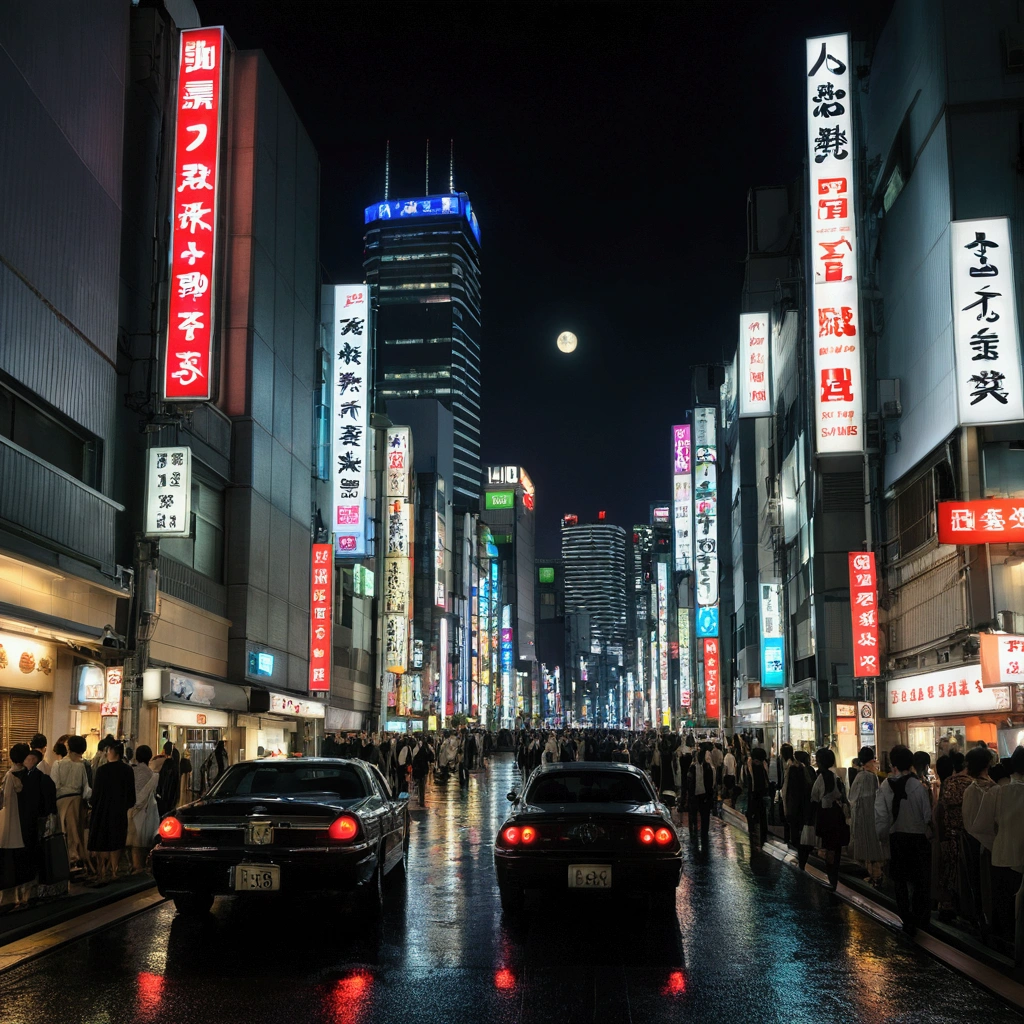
(866, 848)
(144, 817)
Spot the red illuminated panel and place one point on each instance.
(188, 357)
(864, 613)
(987, 521)
(712, 676)
(320, 603)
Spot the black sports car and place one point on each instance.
(297, 826)
(594, 826)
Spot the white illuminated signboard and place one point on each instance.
(834, 323)
(682, 498)
(169, 492)
(705, 500)
(754, 358)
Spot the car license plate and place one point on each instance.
(257, 877)
(590, 876)
(260, 833)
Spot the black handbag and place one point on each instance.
(54, 866)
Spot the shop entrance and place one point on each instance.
(19, 722)
(198, 744)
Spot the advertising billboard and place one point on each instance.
(983, 521)
(705, 500)
(499, 500)
(986, 345)
(321, 600)
(754, 357)
(834, 314)
(188, 366)
(955, 690)
(773, 660)
(864, 613)
(712, 678)
(682, 498)
(663, 668)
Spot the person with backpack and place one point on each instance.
(831, 810)
(903, 817)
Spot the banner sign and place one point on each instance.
(773, 661)
(712, 675)
(705, 496)
(985, 340)
(834, 316)
(169, 492)
(957, 690)
(864, 613)
(1002, 658)
(984, 521)
(188, 357)
(321, 601)
(753, 355)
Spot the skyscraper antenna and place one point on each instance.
(451, 166)
(426, 187)
(387, 166)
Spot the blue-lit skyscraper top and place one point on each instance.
(425, 206)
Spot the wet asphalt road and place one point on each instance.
(753, 941)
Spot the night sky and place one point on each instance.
(608, 150)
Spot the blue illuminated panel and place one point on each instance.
(428, 206)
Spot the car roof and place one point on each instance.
(304, 760)
(600, 766)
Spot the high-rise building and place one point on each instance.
(594, 559)
(422, 262)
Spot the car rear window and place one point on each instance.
(588, 787)
(340, 782)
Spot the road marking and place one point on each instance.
(987, 977)
(49, 939)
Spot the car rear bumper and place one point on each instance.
(182, 870)
(650, 874)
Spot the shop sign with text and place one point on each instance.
(864, 613)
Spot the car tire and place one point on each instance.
(193, 904)
(373, 896)
(401, 868)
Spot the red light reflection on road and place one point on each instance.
(149, 993)
(349, 997)
(504, 980)
(676, 984)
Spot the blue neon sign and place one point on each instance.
(707, 621)
(427, 206)
(773, 661)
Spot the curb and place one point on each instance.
(1005, 988)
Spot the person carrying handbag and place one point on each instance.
(831, 810)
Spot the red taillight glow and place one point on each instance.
(675, 985)
(170, 828)
(528, 834)
(344, 829)
(511, 835)
(504, 979)
(647, 835)
(663, 836)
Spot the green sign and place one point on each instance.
(362, 581)
(500, 499)
(546, 574)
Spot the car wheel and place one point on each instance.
(193, 904)
(401, 868)
(373, 898)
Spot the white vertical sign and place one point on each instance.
(834, 323)
(754, 357)
(705, 501)
(663, 666)
(351, 417)
(682, 497)
(169, 492)
(985, 340)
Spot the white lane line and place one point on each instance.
(52, 938)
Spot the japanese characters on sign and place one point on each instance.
(983, 521)
(188, 357)
(682, 498)
(1002, 658)
(683, 616)
(398, 551)
(321, 601)
(712, 678)
(956, 690)
(864, 613)
(834, 315)
(705, 500)
(111, 707)
(985, 341)
(351, 417)
(169, 492)
(663, 678)
(754, 357)
(773, 661)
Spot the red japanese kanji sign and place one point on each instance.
(864, 612)
(712, 677)
(986, 521)
(320, 604)
(188, 354)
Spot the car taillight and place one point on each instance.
(663, 836)
(512, 835)
(344, 829)
(647, 835)
(170, 828)
(528, 834)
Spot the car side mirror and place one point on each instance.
(403, 797)
(513, 796)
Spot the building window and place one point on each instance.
(204, 549)
(50, 437)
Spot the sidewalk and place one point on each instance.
(81, 899)
(954, 947)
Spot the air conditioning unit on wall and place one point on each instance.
(889, 406)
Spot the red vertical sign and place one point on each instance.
(864, 612)
(320, 603)
(188, 358)
(712, 675)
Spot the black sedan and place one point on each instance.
(588, 826)
(303, 825)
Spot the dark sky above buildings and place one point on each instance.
(608, 150)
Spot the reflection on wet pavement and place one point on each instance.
(754, 939)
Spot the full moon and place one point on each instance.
(567, 341)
